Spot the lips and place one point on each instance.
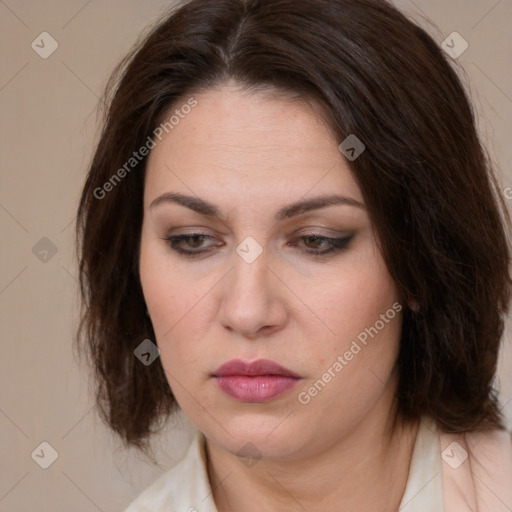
(261, 367)
(259, 381)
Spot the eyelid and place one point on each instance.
(309, 231)
(336, 244)
(322, 231)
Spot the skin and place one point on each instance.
(251, 154)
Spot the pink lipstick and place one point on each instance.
(259, 381)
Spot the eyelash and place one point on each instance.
(337, 244)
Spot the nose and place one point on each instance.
(253, 300)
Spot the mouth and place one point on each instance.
(258, 368)
(259, 381)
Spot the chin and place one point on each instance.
(259, 438)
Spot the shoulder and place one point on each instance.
(159, 495)
(184, 487)
(477, 470)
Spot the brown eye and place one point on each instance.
(192, 244)
(197, 240)
(188, 244)
(314, 244)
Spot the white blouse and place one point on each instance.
(186, 488)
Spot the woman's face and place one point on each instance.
(254, 174)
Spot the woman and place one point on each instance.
(290, 232)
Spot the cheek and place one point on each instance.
(167, 291)
(361, 294)
(350, 374)
(363, 314)
(176, 308)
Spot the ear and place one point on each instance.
(413, 304)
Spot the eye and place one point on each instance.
(193, 244)
(315, 242)
(191, 240)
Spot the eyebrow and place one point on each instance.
(300, 207)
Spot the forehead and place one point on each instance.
(234, 143)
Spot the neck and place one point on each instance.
(366, 469)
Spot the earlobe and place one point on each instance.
(413, 304)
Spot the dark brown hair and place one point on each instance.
(425, 178)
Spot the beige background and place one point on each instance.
(47, 132)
